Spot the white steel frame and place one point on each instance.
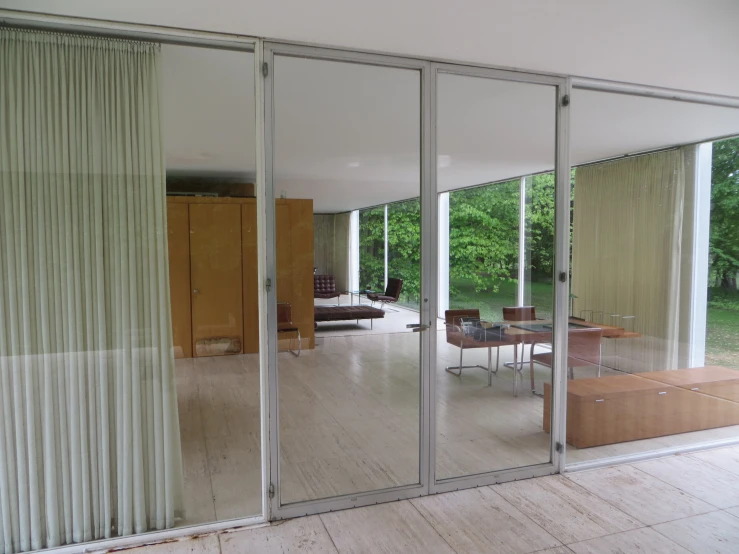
(271, 50)
(560, 86)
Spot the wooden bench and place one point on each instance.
(623, 408)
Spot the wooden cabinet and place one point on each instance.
(624, 408)
(214, 277)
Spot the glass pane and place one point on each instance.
(653, 261)
(114, 421)
(346, 144)
(495, 138)
(209, 135)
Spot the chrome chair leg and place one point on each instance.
(461, 366)
(300, 346)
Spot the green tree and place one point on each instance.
(372, 248)
(404, 248)
(483, 234)
(724, 237)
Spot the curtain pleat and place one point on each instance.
(89, 433)
(626, 249)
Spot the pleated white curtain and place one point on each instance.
(89, 432)
(626, 250)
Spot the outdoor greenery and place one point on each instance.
(483, 249)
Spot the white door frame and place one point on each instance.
(561, 87)
(278, 510)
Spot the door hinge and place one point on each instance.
(566, 100)
(271, 490)
(268, 284)
(559, 447)
(265, 69)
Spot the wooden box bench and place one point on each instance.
(623, 408)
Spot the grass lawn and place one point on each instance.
(722, 334)
(491, 303)
(722, 337)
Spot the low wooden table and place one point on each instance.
(623, 408)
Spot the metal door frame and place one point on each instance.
(427, 483)
(562, 87)
(282, 511)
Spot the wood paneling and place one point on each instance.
(294, 237)
(216, 275)
(213, 249)
(178, 235)
(249, 241)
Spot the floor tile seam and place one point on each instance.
(328, 533)
(442, 537)
(675, 542)
(641, 524)
(715, 508)
(504, 499)
(693, 457)
(681, 490)
(207, 458)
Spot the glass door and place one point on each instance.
(344, 167)
(496, 159)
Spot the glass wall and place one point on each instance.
(490, 414)
(130, 401)
(404, 249)
(348, 371)
(484, 248)
(652, 264)
(372, 249)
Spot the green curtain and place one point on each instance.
(89, 433)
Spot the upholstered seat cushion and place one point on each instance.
(342, 313)
(380, 297)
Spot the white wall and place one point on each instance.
(687, 44)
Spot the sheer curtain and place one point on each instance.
(89, 433)
(626, 254)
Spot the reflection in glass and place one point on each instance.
(346, 140)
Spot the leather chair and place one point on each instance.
(583, 350)
(392, 292)
(285, 326)
(456, 336)
(324, 286)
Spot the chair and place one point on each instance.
(583, 350)
(392, 293)
(456, 336)
(285, 326)
(518, 313)
(324, 286)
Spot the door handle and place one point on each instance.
(417, 327)
(196, 291)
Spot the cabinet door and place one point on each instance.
(178, 236)
(216, 279)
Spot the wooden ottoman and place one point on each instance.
(623, 408)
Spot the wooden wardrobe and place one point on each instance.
(213, 272)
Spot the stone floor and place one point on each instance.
(677, 505)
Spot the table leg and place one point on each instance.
(490, 366)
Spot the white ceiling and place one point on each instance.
(348, 136)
